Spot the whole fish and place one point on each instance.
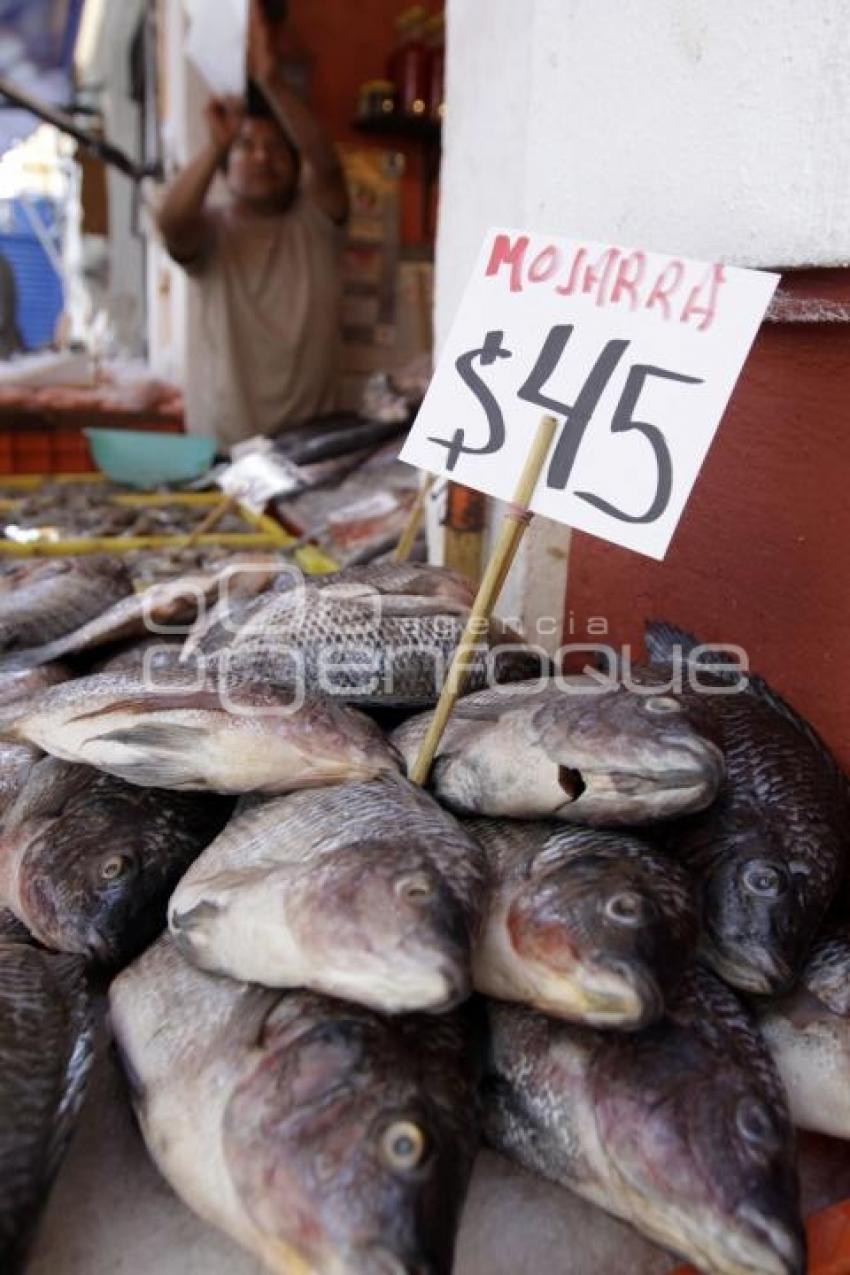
(361, 644)
(318, 1135)
(189, 737)
(569, 749)
(45, 1056)
(771, 853)
(808, 1033)
(338, 434)
(596, 927)
(87, 862)
(215, 628)
(366, 891)
(45, 599)
(681, 1129)
(163, 609)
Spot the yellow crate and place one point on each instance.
(265, 533)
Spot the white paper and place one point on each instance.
(257, 477)
(216, 44)
(691, 322)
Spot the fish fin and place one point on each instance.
(69, 973)
(164, 754)
(662, 639)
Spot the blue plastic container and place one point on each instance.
(143, 459)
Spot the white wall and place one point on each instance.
(715, 128)
(110, 66)
(712, 128)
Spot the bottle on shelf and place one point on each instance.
(409, 64)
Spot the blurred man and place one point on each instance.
(10, 336)
(266, 265)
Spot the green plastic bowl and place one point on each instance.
(145, 459)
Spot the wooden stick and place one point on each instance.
(513, 530)
(404, 548)
(211, 521)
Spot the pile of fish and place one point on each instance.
(607, 938)
(73, 510)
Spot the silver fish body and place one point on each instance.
(369, 643)
(165, 609)
(365, 891)
(595, 927)
(43, 600)
(569, 749)
(681, 1129)
(808, 1034)
(45, 1057)
(318, 1135)
(180, 735)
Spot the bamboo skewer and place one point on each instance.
(213, 518)
(517, 518)
(404, 548)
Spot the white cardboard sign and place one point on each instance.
(216, 44)
(637, 353)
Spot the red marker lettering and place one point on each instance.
(510, 254)
(567, 289)
(711, 283)
(544, 265)
(660, 293)
(629, 274)
(598, 275)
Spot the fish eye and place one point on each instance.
(416, 888)
(663, 704)
(754, 1123)
(627, 909)
(113, 867)
(763, 879)
(403, 1145)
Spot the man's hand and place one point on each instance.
(262, 47)
(224, 116)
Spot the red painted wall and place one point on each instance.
(348, 42)
(761, 556)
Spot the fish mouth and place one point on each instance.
(757, 971)
(770, 1246)
(98, 948)
(610, 994)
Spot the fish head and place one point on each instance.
(347, 1152)
(605, 935)
(626, 756)
(81, 889)
(704, 1158)
(754, 907)
(95, 879)
(340, 742)
(373, 922)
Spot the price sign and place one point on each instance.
(637, 353)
